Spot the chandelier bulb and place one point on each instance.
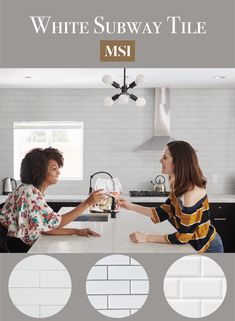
(140, 102)
(123, 99)
(107, 79)
(139, 79)
(108, 101)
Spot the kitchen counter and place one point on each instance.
(114, 237)
(213, 198)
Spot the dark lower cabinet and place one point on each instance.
(223, 219)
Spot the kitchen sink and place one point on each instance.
(92, 218)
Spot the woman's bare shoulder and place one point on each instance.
(191, 197)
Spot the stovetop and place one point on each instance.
(147, 194)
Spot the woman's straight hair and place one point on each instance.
(187, 170)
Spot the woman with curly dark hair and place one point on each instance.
(187, 206)
(26, 214)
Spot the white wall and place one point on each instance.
(204, 117)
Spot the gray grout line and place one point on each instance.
(46, 305)
(90, 280)
(119, 294)
(44, 288)
(201, 308)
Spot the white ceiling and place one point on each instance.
(92, 77)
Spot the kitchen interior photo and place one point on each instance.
(81, 112)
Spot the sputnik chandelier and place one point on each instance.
(124, 95)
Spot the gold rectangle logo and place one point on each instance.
(117, 50)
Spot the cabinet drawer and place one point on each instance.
(222, 210)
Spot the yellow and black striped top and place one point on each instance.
(192, 223)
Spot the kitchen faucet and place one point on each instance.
(91, 177)
(113, 213)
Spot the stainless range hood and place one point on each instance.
(161, 122)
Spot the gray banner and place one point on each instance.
(156, 266)
(176, 45)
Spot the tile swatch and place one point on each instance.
(39, 286)
(117, 286)
(195, 286)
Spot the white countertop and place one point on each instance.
(114, 237)
(220, 198)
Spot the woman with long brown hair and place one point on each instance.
(186, 207)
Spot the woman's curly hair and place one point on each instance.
(35, 163)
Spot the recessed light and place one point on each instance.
(219, 77)
(27, 77)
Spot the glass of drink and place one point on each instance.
(116, 190)
(100, 184)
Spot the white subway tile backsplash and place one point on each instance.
(195, 116)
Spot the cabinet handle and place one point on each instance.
(220, 219)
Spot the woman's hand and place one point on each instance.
(124, 204)
(95, 197)
(138, 237)
(86, 232)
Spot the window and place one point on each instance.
(66, 136)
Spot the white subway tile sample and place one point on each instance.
(55, 279)
(186, 267)
(124, 290)
(190, 308)
(98, 301)
(190, 288)
(126, 272)
(30, 310)
(47, 310)
(98, 273)
(115, 313)
(107, 287)
(39, 286)
(201, 288)
(138, 287)
(115, 260)
(19, 279)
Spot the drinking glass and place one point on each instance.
(101, 183)
(116, 190)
